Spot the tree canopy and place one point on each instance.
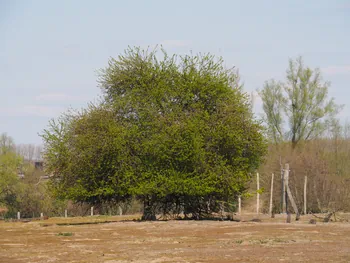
(297, 109)
(176, 132)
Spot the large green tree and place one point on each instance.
(176, 132)
(299, 108)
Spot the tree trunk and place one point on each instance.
(148, 211)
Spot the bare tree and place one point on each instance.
(302, 100)
(29, 152)
(6, 144)
(38, 152)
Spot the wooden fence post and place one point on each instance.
(271, 195)
(283, 194)
(285, 183)
(239, 205)
(120, 211)
(92, 211)
(292, 201)
(258, 195)
(289, 193)
(65, 213)
(18, 215)
(305, 206)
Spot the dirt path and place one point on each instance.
(176, 241)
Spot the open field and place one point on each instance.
(271, 240)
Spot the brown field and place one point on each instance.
(271, 240)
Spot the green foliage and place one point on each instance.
(173, 132)
(87, 157)
(260, 191)
(247, 195)
(9, 181)
(34, 197)
(65, 234)
(302, 101)
(28, 194)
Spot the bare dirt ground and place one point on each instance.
(271, 240)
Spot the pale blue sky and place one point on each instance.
(50, 50)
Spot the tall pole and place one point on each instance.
(305, 206)
(258, 195)
(285, 185)
(271, 195)
(283, 196)
(239, 205)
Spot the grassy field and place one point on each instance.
(120, 239)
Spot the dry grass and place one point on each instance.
(272, 240)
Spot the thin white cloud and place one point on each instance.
(58, 97)
(337, 70)
(31, 111)
(175, 43)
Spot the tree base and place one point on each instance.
(148, 217)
